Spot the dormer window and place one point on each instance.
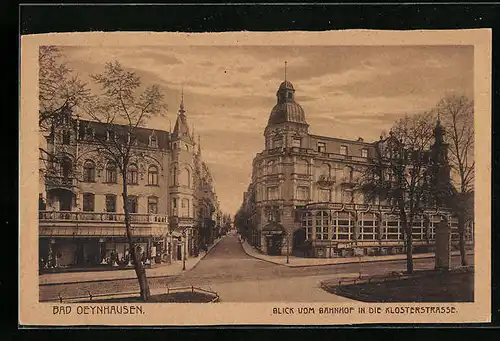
(296, 142)
(364, 152)
(153, 141)
(110, 135)
(343, 150)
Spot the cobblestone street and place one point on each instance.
(238, 277)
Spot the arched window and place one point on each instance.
(132, 178)
(186, 178)
(111, 172)
(89, 171)
(322, 222)
(153, 175)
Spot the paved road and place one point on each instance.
(238, 277)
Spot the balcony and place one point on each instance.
(54, 182)
(68, 223)
(101, 217)
(326, 181)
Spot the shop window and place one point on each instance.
(322, 225)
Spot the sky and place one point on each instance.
(229, 91)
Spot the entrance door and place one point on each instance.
(274, 245)
(179, 252)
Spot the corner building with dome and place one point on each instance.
(303, 199)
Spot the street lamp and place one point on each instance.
(287, 248)
(184, 257)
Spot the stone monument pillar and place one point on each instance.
(443, 245)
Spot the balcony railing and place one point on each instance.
(101, 217)
(60, 182)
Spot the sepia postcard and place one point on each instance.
(243, 178)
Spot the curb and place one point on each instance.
(206, 253)
(334, 264)
(129, 278)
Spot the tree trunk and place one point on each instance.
(461, 234)
(139, 269)
(409, 241)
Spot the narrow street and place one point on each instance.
(237, 277)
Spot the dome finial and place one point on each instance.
(285, 69)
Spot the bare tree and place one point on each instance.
(457, 114)
(399, 173)
(59, 88)
(121, 108)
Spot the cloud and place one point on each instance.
(229, 91)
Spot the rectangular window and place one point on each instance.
(153, 142)
(153, 205)
(296, 143)
(303, 193)
(132, 204)
(272, 193)
(66, 137)
(88, 202)
(364, 152)
(278, 143)
(322, 147)
(343, 150)
(132, 178)
(110, 203)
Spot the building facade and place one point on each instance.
(303, 198)
(81, 208)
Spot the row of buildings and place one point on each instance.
(303, 197)
(174, 208)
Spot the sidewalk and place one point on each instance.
(159, 270)
(295, 262)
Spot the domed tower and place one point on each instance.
(287, 124)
